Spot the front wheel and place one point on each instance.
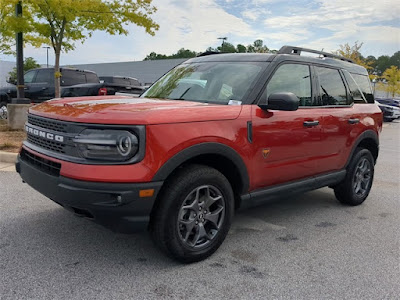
(357, 184)
(194, 214)
(3, 110)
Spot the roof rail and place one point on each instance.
(297, 51)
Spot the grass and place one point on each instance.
(10, 139)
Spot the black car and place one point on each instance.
(123, 84)
(39, 84)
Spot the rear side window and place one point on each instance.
(355, 90)
(45, 75)
(92, 78)
(122, 81)
(365, 86)
(331, 87)
(292, 78)
(71, 77)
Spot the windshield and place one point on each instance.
(216, 82)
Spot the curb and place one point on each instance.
(7, 157)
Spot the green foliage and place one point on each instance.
(241, 48)
(29, 64)
(182, 53)
(61, 23)
(392, 81)
(227, 48)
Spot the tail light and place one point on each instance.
(102, 91)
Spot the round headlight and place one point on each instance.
(124, 145)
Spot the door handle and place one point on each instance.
(44, 88)
(310, 123)
(354, 121)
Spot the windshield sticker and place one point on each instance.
(234, 102)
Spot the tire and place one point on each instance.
(3, 112)
(194, 214)
(355, 188)
(387, 120)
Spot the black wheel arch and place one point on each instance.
(369, 140)
(219, 156)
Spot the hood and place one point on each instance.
(129, 110)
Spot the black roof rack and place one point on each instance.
(297, 51)
(208, 53)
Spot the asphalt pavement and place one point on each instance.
(304, 247)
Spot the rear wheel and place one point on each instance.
(356, 186)
(194, 214)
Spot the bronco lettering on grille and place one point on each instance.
(44, 134)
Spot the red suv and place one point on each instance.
(217, 133)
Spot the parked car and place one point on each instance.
(217, 133)
(390, 113)
(389, 101)
(122, 84)
(39, 85)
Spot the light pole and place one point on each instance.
(47, 50)
(223, 42)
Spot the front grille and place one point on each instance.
(46, 144)
(47, 123)
(45, 165)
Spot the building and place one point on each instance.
(146, 72)
(5, 68)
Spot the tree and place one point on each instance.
(61, 23)
(29, 64)
(392, 77)
(182, 53)
(241, 48)
(353, 52)
(382, 63)
(227, 48)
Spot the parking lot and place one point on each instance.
(306, 247)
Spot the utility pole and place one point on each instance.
(47, 49)
(20, 56)
(223, 42)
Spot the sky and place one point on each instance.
(197, 25)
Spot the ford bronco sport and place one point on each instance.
(216, 133)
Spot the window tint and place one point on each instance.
(28, 77)
(45, 75)
(92, 78)
(365, 86)
(356, 93)
(70, 77)
(331, 87)
(122, 81)
(292, 78)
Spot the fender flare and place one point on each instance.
(204, 149)
(368, 134)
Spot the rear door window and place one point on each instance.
(92, 78)
(365, 86)
(45, 75)
(71, 77)
(331, 87)
(355, 90)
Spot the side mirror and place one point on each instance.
(280, 101)
(9, 80)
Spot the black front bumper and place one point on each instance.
(114, 205)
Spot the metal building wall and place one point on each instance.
(145, 71)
